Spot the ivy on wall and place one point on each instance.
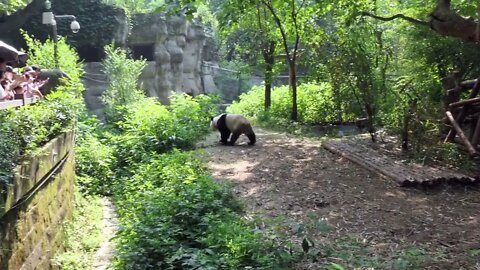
(98, 21)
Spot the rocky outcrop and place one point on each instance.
(177, 46)
(174, 49)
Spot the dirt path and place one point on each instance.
(105, 253)
(296, 179)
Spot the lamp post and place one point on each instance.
(49, 18)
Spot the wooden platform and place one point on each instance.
(404, 174)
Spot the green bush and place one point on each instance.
(315, 104)
(123, 74)
(149, 127)
(93, 171)
(174, 216)
(24, 130)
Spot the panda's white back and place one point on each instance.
(237, 122)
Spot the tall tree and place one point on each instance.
(292, 19)
(251, 25)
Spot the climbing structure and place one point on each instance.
(463, 115)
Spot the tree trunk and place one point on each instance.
(370, 114)
(268, 86)
(293, 85)
(447, 22)
(268, 56)
(406, 123)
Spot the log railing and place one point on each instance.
(17, 102)
(458, 111)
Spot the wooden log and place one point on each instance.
(463, 112)
(463, 87)
(471, 150)
(476, 134)
(454, 91)
(365, 164)
(466, 85)
(465, 102)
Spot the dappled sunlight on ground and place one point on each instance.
(235, 169)
(283, 176)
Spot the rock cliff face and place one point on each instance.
(177, 54)
(174, 49)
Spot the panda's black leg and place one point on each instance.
(234, 137)
(224, 137)
(252, 139)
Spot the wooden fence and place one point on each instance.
(17, 102)
(464, 115)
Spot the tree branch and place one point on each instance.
(397, 16)
(444, 21)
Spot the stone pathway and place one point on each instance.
(110, 227)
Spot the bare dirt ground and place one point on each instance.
(296, 179)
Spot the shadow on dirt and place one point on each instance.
(283, 176)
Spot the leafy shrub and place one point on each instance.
(93, 171)
(191, 117)
(149, 127)
(315, 104)
(174, 216)
(24, 130)
(123, 74)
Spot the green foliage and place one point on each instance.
(93, 172)
(24, 130)
(10, 6)
(123, 74)
(98, 21)
(83, 234)
(149, 127)
(136, 6)
(176, 217)
(94, 158)
(314, 102)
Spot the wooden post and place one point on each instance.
(463, 138)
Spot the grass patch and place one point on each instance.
(83, 234)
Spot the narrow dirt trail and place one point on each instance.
(105, 252)
(292, 178)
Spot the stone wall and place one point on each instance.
(31, 230)
(175, 50)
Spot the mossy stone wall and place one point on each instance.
(31, 233)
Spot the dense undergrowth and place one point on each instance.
(319, 110)
(172, 214)
(24, 130)
(315, 105)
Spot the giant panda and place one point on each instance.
(234, 124)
